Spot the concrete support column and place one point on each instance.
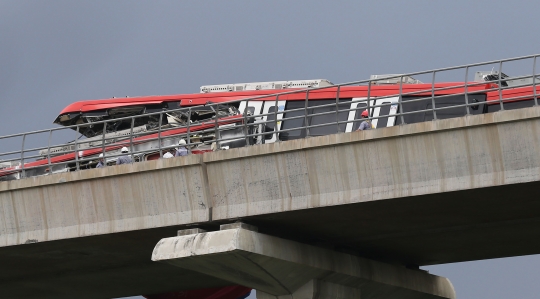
(284, 269)
(317, 289)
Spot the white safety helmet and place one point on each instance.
(182, 142)
(101, 155)
(124, 150)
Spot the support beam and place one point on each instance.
(277, 267)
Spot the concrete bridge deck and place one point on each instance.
(427, 193)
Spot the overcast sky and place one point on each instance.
(53, 53)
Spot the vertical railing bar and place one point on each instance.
(500, 86)
(337, 109)
(49, 152)
(160, 123)
(189, 131)
(400, 100)
(276, 129)
(433, 96)
(216, 130)
(367, 107)
(306, 127)
(246, 110)
(77, 149)
(131, 139)
(534, 82)
(23, 172)
(103, 141)
(467, 91)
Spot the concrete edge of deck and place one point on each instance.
(279, 147)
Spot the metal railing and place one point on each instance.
(245, 129)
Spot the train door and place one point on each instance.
(274, 115)
(388, 108)
(358, 105)
(253, 110)
(253, 107)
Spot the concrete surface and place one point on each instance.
(402, 161)
(428, 193)
(281, 267)
(317, 289)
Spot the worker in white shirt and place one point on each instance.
(125, 159)
(181, 150)
(101, 162)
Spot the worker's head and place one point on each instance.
(365, 114)
(181, 143)
(124, 150)
(100, 157)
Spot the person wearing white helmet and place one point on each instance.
(181, 150)
(101, 162)
(124, 159)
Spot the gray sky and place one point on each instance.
(53, 53)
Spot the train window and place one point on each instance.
(173, 105)
(271, 117)
(313, 108)
(289, 123)
(510, 105)
(329, 118)
(440, 102)
(269, 126)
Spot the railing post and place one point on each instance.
(49, 152)
(534, 82)
(466, 91)
(77, 150)
(103, 140)
(159, 134)
(216, 130)
(23, 172)
(337, 109)
(306, 114)
(500, 86)
(276, 109)
(368, 107)
(131, 138)
(433, 96)
(400, 100)
(189, 131)
(246, 110)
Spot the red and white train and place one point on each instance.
(281, 109)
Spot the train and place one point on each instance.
(227, 116)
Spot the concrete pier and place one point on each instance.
(278, 268)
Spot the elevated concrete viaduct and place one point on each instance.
(436, 192)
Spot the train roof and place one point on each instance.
(187, 100)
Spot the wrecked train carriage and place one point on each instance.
(118, 115)
(284, 116)
(147, 145)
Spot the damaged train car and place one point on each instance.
(271, 111)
